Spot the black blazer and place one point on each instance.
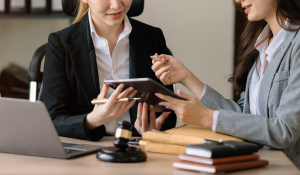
(71, 77)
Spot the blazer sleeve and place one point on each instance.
(280, 131)
(58, 98)
(214, 100)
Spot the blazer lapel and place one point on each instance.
(138, 50)
(273, 67)
(84, 61)
(246, 109)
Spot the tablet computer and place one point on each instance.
(147, 88)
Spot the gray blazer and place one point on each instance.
(281, 96)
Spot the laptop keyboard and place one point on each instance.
(73, 151)
(66, 144)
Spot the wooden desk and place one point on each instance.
(157, 164)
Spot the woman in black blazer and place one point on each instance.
(71, 78)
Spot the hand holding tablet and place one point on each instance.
(146, 90)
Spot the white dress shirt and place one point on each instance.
(112, 67)
(266, 53)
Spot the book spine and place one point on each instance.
(172, 139)
(162, 148)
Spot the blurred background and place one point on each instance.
(200, 33)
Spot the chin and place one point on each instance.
(253, 18)
(114, 23)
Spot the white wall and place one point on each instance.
(199, 33)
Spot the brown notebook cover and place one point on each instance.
(173, 139)
(216, 161)
(192, 166)
(162, 148)
(200, 132)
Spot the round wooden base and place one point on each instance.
(128, 155)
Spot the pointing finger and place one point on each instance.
(103, 91)
(114, 96)
(152, 117)
(170, 99)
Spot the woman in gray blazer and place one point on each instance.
(267, 78)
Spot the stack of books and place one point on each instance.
(173, 141)
(215, 157)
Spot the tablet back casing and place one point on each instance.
(146, 90)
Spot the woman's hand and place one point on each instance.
(170, 70)
(111, 110)
(190, 111)
(141, 124)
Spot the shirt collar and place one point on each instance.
(272, 49)
(127, 26)
(261, 45)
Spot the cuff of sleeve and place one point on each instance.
(204, 90)
(215, 120)
(96, 134)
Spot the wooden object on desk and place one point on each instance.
(200, 132)
(156, 164)
(172, 141)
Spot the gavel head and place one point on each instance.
(123, 134)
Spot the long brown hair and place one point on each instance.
(81, 10)
(247, 54)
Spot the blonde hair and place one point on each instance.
(82, 9)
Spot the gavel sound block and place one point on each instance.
(121, 153)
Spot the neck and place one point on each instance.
(274, 25)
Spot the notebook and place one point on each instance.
(221, 149)
(216, 161)
(192, 166)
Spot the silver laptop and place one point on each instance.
(26, 128)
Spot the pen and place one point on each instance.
(154, 58)
(102, 101)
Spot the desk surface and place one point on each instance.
(155, 164)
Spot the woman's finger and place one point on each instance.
(156, 66)
(114, 96)
(152, 117)
(169, 106)
(166, 58)
(170, 99)
(139, 115)
(164, 78)
(103, 92)
(125, 92)
(132, 93)
(161, 119)
(145, 117)
(124, 106)
(153, 61)
(129, 105)
(162, 70)
(184, 95)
